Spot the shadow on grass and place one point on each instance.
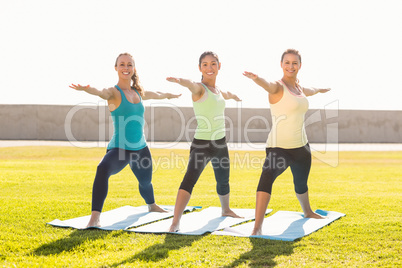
(172, 242)
(263, 253)
(158, 252)
(74, 240)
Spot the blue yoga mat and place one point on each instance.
(284, 225)
(120, 218)
(198, 223)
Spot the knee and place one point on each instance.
(264, 188)
(266, 181)
(103, 168)
(222, 188)
(102, 165)
(222, 183)
(187, 186)
(188, 183)
(301, 188)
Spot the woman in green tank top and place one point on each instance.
(209, 142)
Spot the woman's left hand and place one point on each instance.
(235, 97)
(324, 90)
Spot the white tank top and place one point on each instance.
(288, 130)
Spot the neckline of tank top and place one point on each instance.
(219, 92)
(122, 92)
(301, 94)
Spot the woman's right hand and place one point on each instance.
(195, 88)
(250, 75)
(78, 87)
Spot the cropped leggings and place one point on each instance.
(201, 152)
(278, 160)
(112, 163)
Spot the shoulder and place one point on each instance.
(278, 83)
(111, 89)
(198, 91)
(200, 88)
(277, 87)
(200, 85)
(113, 92)
(307, 91)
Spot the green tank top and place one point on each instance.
(210, 114)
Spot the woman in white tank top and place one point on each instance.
(287, 144)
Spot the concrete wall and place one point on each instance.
(93, 123)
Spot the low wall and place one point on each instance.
(93, 123)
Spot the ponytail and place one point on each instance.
(137, 84)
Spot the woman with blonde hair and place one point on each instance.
(128, 145)
(287, 143)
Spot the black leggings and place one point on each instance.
(113, 162)
(278, 160)
(201, 152)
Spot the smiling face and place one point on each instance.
(290, 65)
(209, 67)
(125, 67)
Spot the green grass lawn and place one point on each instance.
(40, 184)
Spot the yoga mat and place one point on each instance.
(198, 223)
(284, 225)
(120, 218)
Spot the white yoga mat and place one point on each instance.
(120, 218)
(198, 223)
(284, 225)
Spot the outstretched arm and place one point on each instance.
(310, 91)
(271, 87)
(195, 88)
(229, 95)
(106, 93)
(149, 95)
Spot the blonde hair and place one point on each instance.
(136, 81)
(291, 51)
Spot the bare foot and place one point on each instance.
(94, 221)
(230, 213)
(155, 208)
(173, 228)
(314, 215)
(256, 232)
(93, 224)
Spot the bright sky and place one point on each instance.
(352, 47)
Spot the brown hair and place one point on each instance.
(135, 78)
(291, 51)
(206, 53)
